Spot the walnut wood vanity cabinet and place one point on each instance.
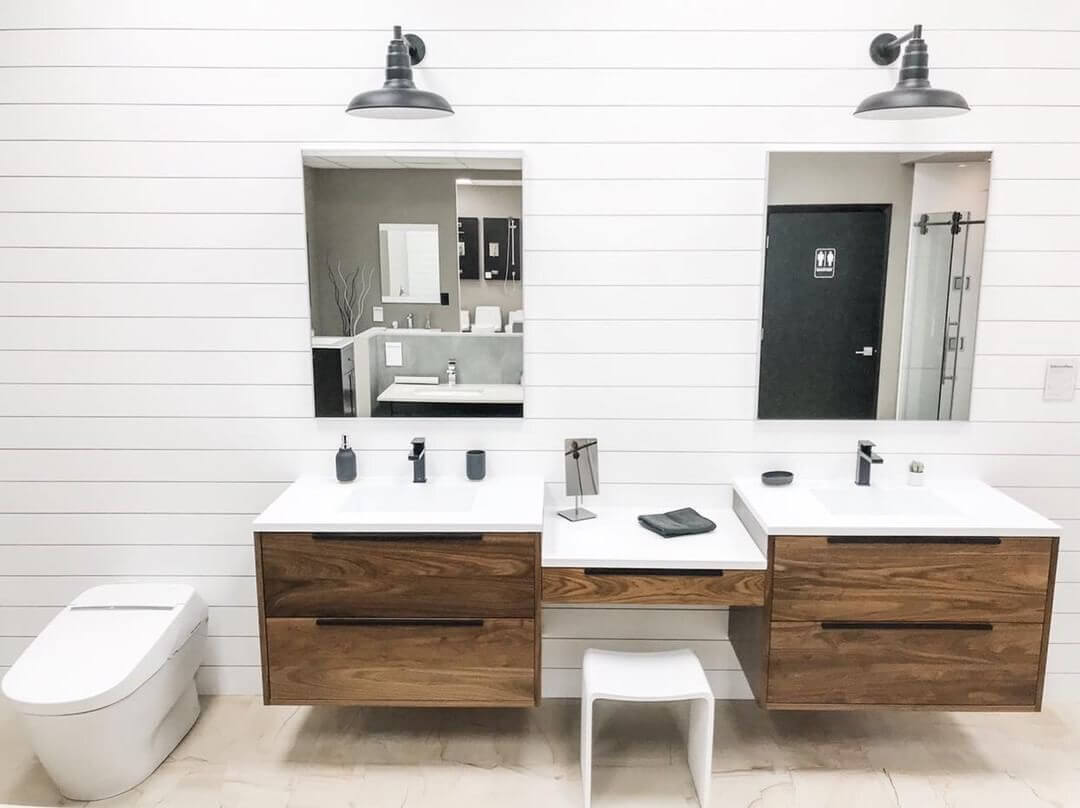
(399, 619)
(923, 622)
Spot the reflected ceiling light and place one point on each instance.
(398, 97)
(912, 97)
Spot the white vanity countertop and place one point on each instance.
(841, 508)
(457, 394)
(615, 539)
(398, 505)
(379, 330)
(331, 342)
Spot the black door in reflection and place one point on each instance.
(823, 300)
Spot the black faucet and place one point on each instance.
(419, 461)
(864, 458)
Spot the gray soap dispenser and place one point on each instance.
(345, 462)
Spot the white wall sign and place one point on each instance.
(1060, 384)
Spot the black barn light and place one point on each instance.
(398, 97)
(912, 97)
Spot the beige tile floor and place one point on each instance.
(244, 755)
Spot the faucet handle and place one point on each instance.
(866, 449)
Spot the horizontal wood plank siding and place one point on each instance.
(154, 379)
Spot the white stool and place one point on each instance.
(661, 676)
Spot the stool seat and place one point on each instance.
(655, 676)
(649, 676)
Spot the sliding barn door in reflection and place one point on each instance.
(939, 342)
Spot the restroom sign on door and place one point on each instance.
(824, 262)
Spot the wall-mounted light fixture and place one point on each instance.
(912, 97)
(398, 97)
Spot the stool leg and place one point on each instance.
(699, 744)
(586, 748)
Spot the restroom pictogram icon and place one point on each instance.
(824, 262)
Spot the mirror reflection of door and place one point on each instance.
(825, 268)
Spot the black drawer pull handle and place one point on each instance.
(390, 537)
(913, 540)
(898, 625)
(399, 621)
(645, 571)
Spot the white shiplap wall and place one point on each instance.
(154, 377)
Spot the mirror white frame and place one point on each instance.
(409, 261)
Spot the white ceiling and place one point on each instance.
(945, 157)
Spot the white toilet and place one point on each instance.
(107, 690)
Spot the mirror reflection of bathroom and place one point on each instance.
(873, 265)
(415, 275)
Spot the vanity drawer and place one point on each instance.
(408, 662)
(929, 579)
(711, 587)
(367, 575)
(989, 665)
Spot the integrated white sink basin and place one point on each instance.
(885, 508)
(448, 393)
(859, 500)
(410, 498)
(403, 392)
(445, 503)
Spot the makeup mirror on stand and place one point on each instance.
(582, 475)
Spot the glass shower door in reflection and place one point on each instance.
(945, 268)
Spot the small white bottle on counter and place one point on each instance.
(916, 473)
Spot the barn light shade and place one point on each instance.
(912, 97)
(399, 97)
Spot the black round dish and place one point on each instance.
(777, 477)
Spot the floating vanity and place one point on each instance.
(382, 592)
(385, 592)
(896, 597)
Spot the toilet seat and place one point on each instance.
(102, 647)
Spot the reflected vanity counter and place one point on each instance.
(403, 398)
(488, 372)
(362, 376)
(896, 597)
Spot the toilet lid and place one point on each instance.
(102, 647)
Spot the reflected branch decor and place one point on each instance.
(350, 292)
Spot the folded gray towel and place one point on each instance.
(683, 522)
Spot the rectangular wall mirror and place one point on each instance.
(873, 263)
(409, 263)
(415, 275)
